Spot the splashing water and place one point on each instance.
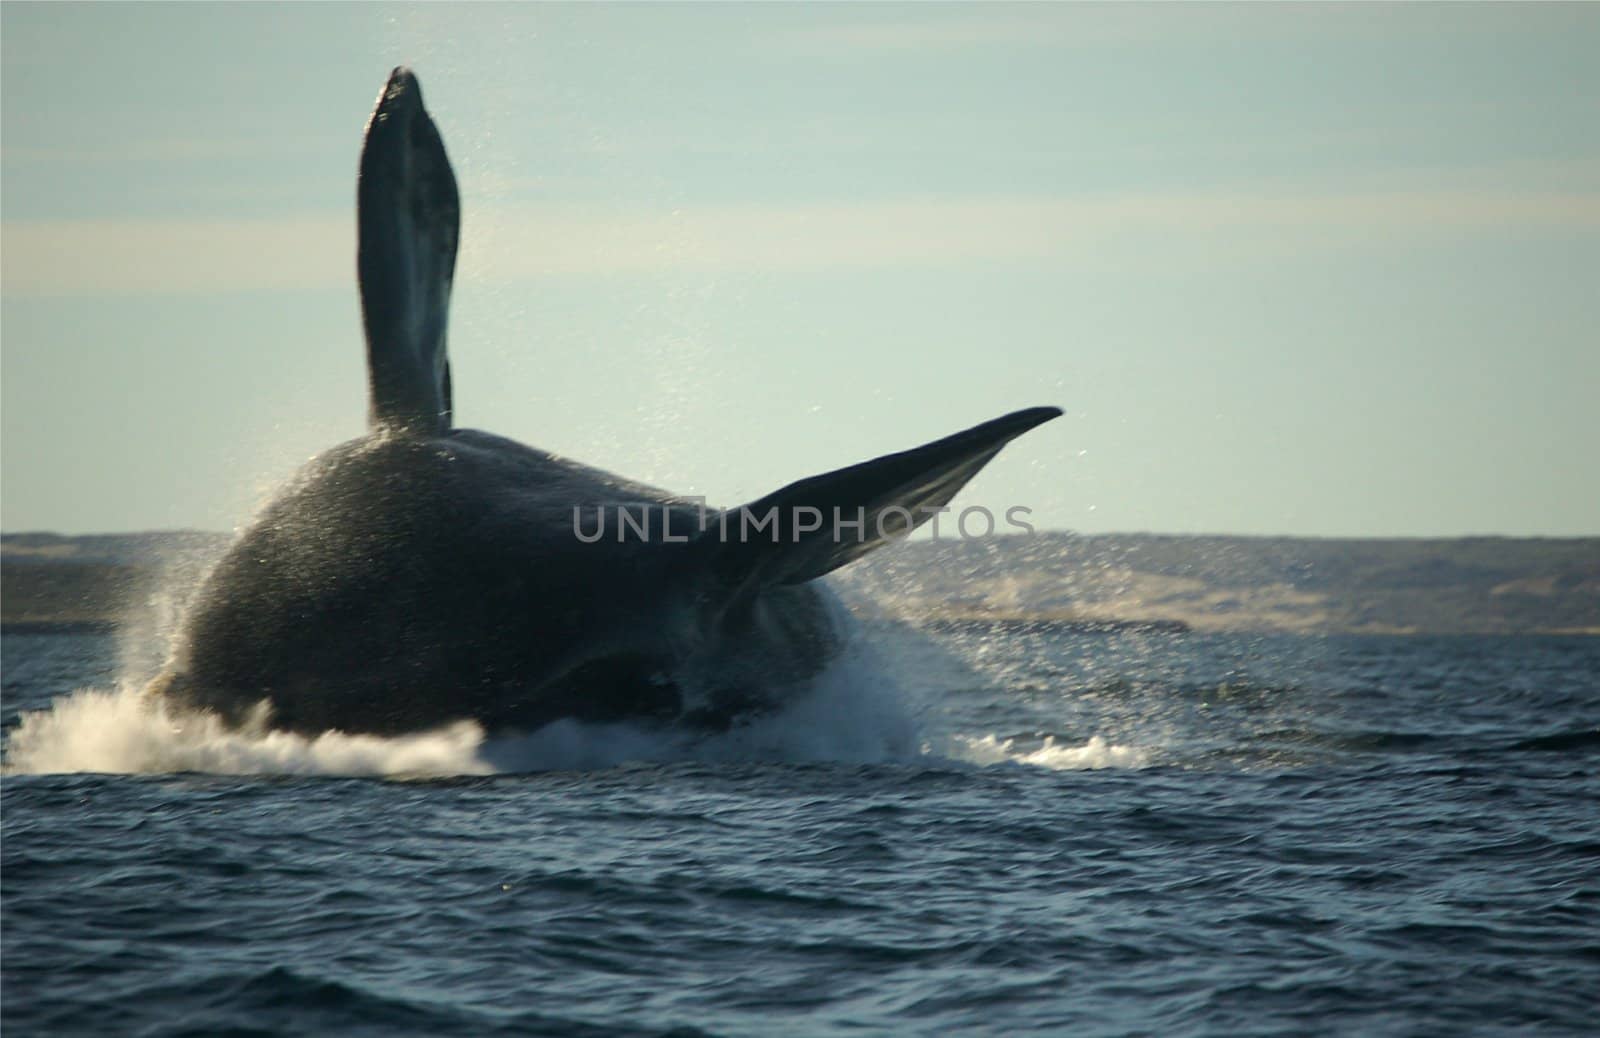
(854, 712)
(124, 731)
(1096, 753)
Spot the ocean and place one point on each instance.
(968, 831)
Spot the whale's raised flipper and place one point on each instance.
(889, 496)
(409, 215)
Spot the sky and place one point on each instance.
(1290, 269)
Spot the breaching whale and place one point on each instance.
(424, 574)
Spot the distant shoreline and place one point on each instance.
(1098, 584)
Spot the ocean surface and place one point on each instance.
(968, 832)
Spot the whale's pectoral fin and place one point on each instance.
(409, 215)
(817, 525)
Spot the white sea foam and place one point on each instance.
(123, 731)
(1096, 753)
(854, 712)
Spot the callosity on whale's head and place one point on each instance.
(424, 574)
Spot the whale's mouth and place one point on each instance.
(638, 688)
(623, 686)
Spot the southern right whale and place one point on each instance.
(423, 574)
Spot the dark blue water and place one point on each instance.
(1041, 831)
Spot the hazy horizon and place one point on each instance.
(1292, 270)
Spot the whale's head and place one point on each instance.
(409, 217)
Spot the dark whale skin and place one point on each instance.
(422, 575)
(402, 582)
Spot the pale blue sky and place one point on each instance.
(1290, 269)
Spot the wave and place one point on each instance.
(1581, 740)
(281, 1000)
